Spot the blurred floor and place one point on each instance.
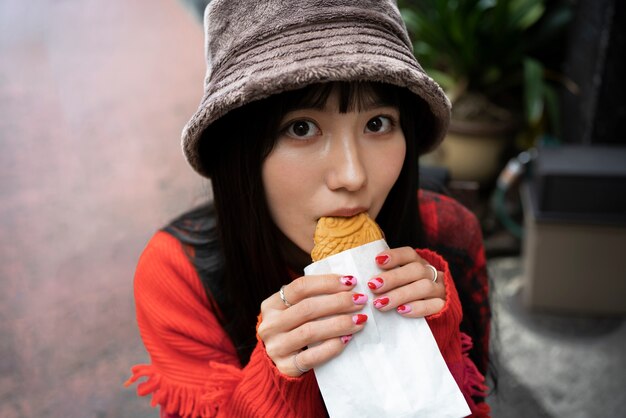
(93, 96)
(553, 365)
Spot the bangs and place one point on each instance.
(353, 96)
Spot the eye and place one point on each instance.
(302, 129)
(379, 124)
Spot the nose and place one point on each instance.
(346, 169)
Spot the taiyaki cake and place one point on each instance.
(335, 234)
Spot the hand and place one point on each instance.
(407, 284)
(323, 315)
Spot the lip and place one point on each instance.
(347, 212)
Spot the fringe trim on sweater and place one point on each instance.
(224, 380)
(473, 381)
(174, 398)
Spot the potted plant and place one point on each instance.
(492, 58)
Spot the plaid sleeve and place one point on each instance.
(454, 232)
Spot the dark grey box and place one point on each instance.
(577, 183)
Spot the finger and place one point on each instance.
(414, 291)
(313, 357)
(308, 285)
(315, 285)
(421, 308)
(400, 276)
(321, 353)
(315, 308)
(395, 257)
(315, 332)
(282, 321)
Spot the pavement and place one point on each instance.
(551, 364)
(93, 96)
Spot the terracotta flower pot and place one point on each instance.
(479, 132)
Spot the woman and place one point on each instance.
(311, 109)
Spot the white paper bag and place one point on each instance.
(391, 368)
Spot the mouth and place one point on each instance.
(346, 212)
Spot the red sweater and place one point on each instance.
(195, 371)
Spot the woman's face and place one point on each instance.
(327, 163)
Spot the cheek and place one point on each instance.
(387, 165)
(274, 183)
(398, 158)
(391, 163)
(290, 197)
(283, 180)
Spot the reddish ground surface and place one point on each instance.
(93, 96)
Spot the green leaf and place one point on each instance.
(486, 4)
(534, 90)
(550, 27)
(525, 13)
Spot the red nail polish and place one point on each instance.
(380, 302)
(359, 299)
(346, 338)
(404, 309)
(376, 283)
(348, 280)
(359, 318)
(382, 259)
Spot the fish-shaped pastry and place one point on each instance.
(335, 234)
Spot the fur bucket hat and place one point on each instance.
(258, 48)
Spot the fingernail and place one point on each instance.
(376, 283)
(359, 318)
(348, 280)
(359, 299)
(404, 309)
(380, 302)
(346, 338)
(382, 259)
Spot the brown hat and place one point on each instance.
(257, 48)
